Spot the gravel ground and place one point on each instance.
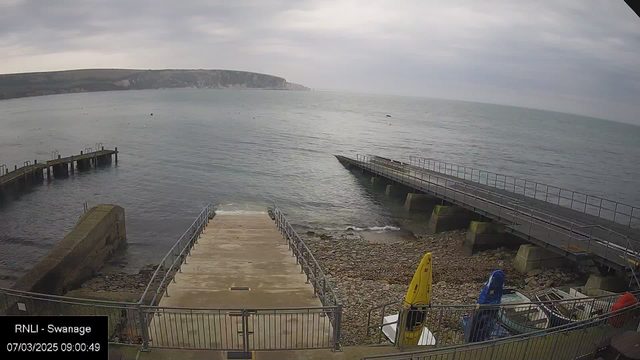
(366, 274)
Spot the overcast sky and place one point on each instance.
(578, 56)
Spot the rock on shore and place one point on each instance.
(367, 274)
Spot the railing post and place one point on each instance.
(337, 325)
(324, 290)
(143, 329)
(245, 331)
(493, 347)
(600, 207)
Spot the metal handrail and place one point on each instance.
(59, 298)
(511, 206)
(540, 191)
(182, 248)
(398, 305)
(579, 325)
(316, 275)
(309, 265)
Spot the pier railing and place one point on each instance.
(589, 204)
(175, 257)
(570, 341)
(572, 237)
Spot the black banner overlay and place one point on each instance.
(43, 337)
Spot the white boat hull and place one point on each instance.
(390, 326)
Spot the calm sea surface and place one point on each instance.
(245, 149)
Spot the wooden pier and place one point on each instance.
(20, 179)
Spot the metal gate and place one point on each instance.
(242, 329)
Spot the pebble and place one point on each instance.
(367, 275)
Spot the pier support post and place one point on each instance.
(420, 202)
(396, 190)
(116, 154)
(531, 257)
(61, 170)
(84, 164)
(488, 235)
(447, 218)
(104, 159)
(613, 283)
(378, 180)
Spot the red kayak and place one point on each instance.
(625, 300)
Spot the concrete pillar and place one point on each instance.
(532, 257)
(606, 282)
(83, 165)
(379, 180)
(61, 170)
(420, 202)
(396, 190)
(104, 160)
(447, 218)
(488, 235)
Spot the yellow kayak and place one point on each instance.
(416, 302)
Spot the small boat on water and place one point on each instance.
(566, 307)
(520, 316)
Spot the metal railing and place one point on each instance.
(589, 204)
(565, 235)
(193, 328)
(148, 325)
(308, 263)
(124, 318)
(446, 323)
(175, 257)
(322, 287)
(241, 329)
(570, 341)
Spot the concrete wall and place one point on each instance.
(98, 234)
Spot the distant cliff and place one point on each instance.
(73, 81)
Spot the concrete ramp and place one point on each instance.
(240, 278)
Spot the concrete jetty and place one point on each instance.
(242, 268)
(21, 179)
(564, 222)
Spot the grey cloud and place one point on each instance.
(574, 56)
